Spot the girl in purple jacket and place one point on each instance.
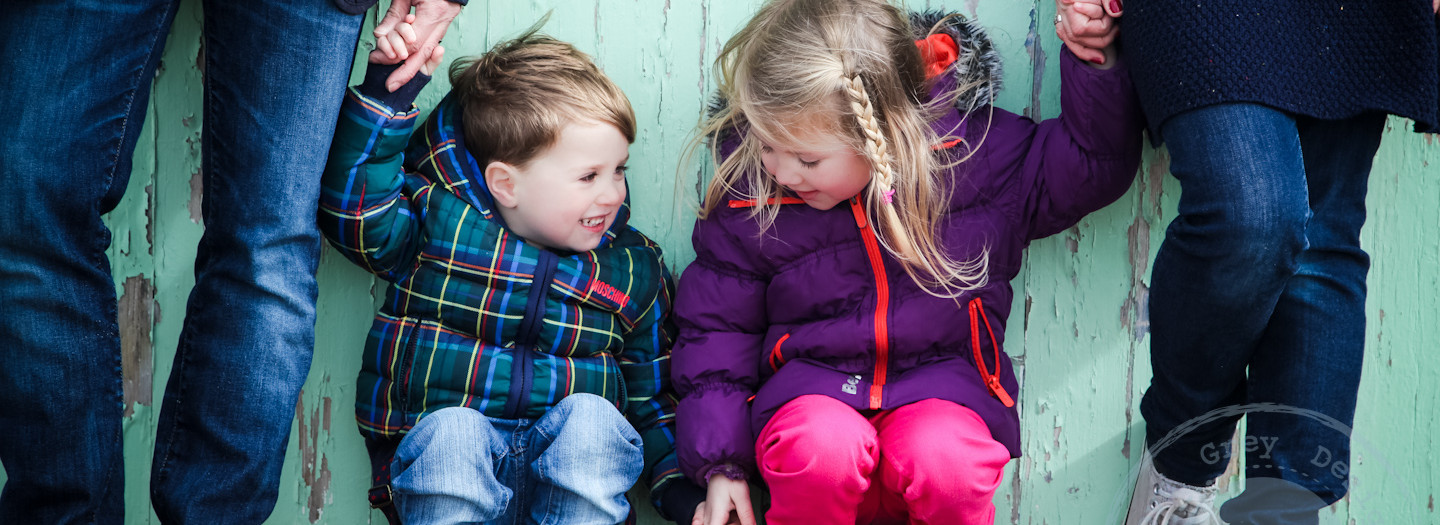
(841, 326)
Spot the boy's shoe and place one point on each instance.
(1159, 500)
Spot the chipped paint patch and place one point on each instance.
(137, 309)
(197, 192)
(1037, 65)
(315, 475)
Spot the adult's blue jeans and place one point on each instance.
(1258, 298)
(572, 465)
(75, 86)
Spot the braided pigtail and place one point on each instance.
(904, 232)
(877, 148)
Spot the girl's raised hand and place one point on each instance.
(1087, 27)
(727, 502)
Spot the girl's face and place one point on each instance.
(823, 172)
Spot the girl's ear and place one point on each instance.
(501, 179)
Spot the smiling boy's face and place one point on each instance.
(568, 196)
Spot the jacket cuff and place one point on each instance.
(729, 470)
(373, 87)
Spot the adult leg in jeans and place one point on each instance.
(76, 82)
(1220, 272)
(1310, 354)
(591, 457)
(275, 73)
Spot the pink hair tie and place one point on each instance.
(889, 195)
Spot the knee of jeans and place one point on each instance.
(451, 428)
(595, 416)
(1248, 242)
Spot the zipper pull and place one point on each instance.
(993, 383)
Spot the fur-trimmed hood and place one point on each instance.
(978, 63)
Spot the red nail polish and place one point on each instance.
(1115, 6)
(1099, 61)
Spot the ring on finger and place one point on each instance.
(1059, 18)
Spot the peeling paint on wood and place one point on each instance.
(137, 307)
(315, 474)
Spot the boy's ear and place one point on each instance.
(501, 178)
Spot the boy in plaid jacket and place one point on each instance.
(519, 366)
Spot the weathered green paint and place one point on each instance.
(1079, 331)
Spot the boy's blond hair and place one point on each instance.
(517, 97)
(850, 70)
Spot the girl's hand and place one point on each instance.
(1088, 27)
(727, 502)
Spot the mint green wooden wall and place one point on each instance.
(1078, 336)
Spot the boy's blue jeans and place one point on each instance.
(75, 84)
(1262, 270)
(572, 465)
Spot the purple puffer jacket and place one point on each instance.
(817, 307)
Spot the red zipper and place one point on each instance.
(775, 354)
(882, 303)
(991, 379)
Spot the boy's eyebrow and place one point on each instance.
(596, 167)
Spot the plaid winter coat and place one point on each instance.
(463, 322)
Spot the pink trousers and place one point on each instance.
(928, 462)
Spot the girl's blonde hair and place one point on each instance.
(848, 69)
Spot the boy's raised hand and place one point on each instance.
(1088, 27)
(400, 40)
(428, 24)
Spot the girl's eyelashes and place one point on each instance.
(588, 177)
(621, 170)
(766, 150)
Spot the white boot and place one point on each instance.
(1159, 500)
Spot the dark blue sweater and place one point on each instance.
(1322, 58)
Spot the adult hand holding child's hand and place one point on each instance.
(1088, 27)
(426, 26)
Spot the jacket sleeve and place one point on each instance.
(720, 308)
(1087, 157)
(370, 210)
(645, 364)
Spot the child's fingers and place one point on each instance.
(382, 44)
(407, 33)
(397, 43)
(398, 11)
(747, 514)
(717, 515)
(1088, 9)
